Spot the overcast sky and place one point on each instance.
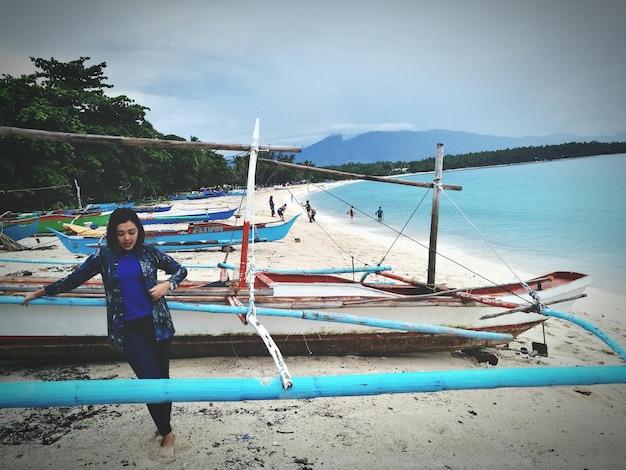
(309, 69)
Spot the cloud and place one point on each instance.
(311, 69)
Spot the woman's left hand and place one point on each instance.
(159, 290)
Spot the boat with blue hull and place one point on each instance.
(19, 227)
(195, 237)
(173, 216)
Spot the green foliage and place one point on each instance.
(480, 159)
(70, 97)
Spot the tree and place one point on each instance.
(70, 97)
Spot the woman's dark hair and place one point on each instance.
(120, 216)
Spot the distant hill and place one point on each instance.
(414, 146)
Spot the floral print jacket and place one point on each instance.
(105, 262)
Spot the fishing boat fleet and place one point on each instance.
(319, 312)
(98, 215)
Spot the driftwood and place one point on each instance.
(10, 244)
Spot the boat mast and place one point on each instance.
(248, 213)
(434, 217)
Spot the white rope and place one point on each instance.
(532, 293)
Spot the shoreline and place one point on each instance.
(556, 427)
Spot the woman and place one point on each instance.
(138, 319)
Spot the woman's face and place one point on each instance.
(127, 234)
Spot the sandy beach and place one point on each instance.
(570, 427)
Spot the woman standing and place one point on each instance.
(139, 323)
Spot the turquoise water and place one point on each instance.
(539, 217)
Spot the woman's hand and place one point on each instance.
(159, 290)
(28, 296)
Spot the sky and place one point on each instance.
(311, 69)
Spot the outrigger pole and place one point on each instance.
(134, 141)
(92, 392)
(240, 309)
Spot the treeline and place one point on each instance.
(491, 158)
(70, 97)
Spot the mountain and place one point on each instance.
(412, 146)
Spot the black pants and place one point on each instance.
(150, 359)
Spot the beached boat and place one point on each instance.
(194, 195)
(55, 220)
(153, 208)
(205, 320)
(185, 216)
(195, 237)
(205, 194)
(306, 313)
(20, 226)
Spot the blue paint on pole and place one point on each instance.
(84, 392)
(277, 312)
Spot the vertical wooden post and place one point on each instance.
(434, 218)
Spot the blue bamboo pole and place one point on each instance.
(79, 261)
(39, 261)
(300, 314)
(91, 392)
(364, 269)
(614, 345)
(368, 269)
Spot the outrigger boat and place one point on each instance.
(198, 236)
(55, 220)
(356, 317)
(185, 216)
(19, 226)
(72, 393)
(374, 319)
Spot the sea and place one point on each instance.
(559, 215)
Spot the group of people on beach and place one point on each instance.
(312, 212)
(281, 210)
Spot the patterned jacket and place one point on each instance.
(105, 262)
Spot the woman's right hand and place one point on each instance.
(28, 296)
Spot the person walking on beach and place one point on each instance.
(272, 205)
(351, 212)
(312, 213)
(379, 213)
(281, 211)
(139, 323)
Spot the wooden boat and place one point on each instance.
(205, 194)
(153, 208)
(195, 237)
(20, 226)
(185, 216)
(194, 195)
(206, 323)
(55, 220)
(306, 313)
